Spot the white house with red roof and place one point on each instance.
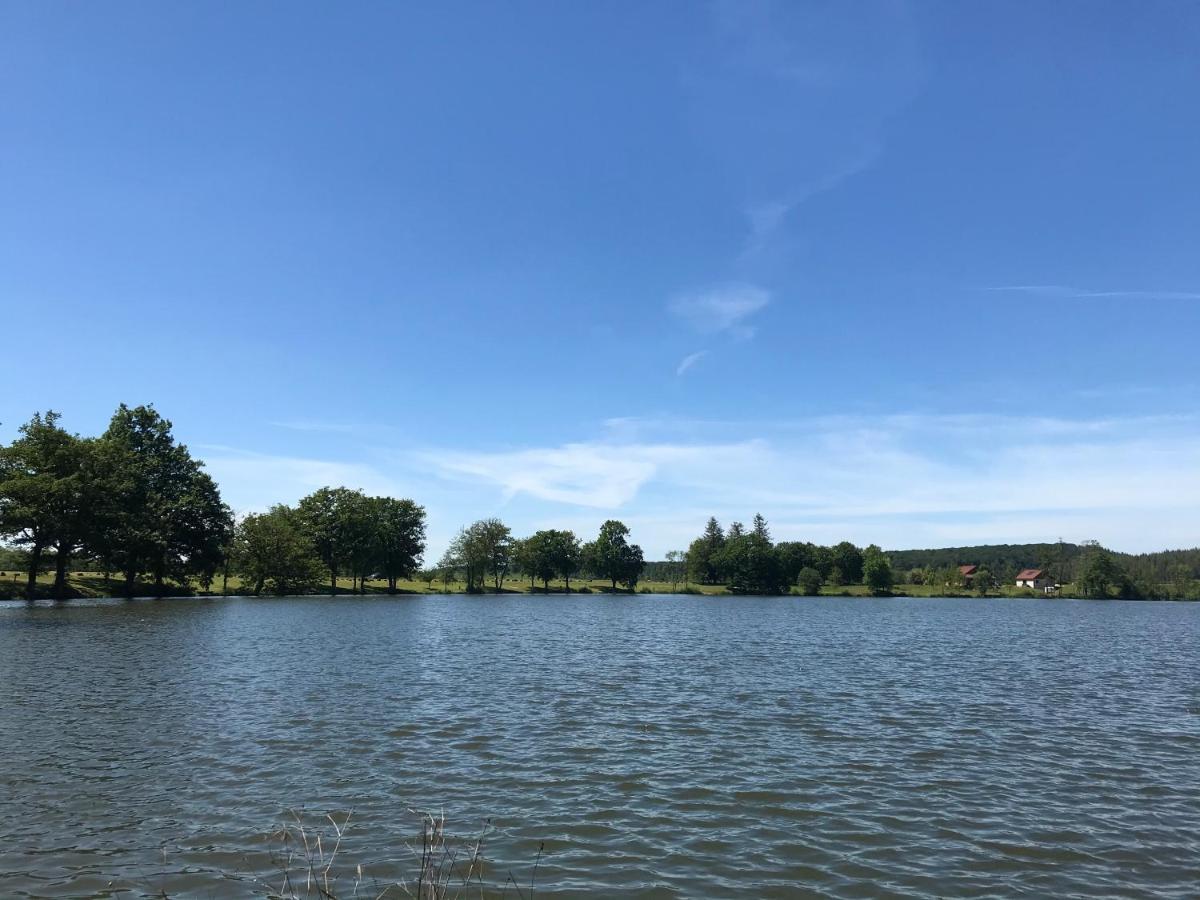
(1034, 578)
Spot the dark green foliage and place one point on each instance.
(751, 565)
(1101, 576)
(398, 538)
(271, 551)
(161, 513)
(877, 571)
(362, 536)
(611, 556)
(702, 554)
(848, 560)
(44, 495)
(334, 520)
(795, 556)
(549, 554)
(808, 580)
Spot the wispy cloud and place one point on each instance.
(894, 480)
(768, 218)
(690, 360)
(252, 482)
(1065, 292)
(721, 309)
(897, 480)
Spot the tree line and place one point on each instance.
(747, 561)
(133, 501)
(487, 552)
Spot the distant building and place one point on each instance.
(1034, 578)
(968, 572)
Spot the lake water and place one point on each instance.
(657, 746)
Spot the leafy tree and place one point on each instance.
(809, 581)
(751, 565)
(736, 529)
(983, 580)
(567, 555)
(677, 564)
(550, 553)
(611, 555)
(822, 561)
(793, 557)
(849, 561)
(1100, 573)
(539, 552)
(428, 576)
(877, 571)
(495, 540)
(44, 494)
(398, 528)
(703, 552)
(272, 551)
(523, 560)
(333, 520)
(483, 548)
(163, 514)
(447, 567)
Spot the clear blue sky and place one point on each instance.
(919, 274)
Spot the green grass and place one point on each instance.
(93, 584)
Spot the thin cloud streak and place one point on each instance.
(721, 309)
(1065, 292)
(690, 360)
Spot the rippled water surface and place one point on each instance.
(659, 747)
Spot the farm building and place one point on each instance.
(1034, 578)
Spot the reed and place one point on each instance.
(312, 865)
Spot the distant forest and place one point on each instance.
(1060, 559)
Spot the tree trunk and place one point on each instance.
(568, 583)
(333, 582)
(546, 585)
(391, 584)
(225, 582)
(614, 581)
(60, 573)
(130, 575)
(35, 563)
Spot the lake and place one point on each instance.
(656, 746)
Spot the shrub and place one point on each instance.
(809, 581)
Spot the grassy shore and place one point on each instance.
(94, 584)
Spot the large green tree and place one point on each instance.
(163, 514)
(44, 492)
(482, 549)
(702, 554)
(611, 556)
(877, 571)
(334, 520)
(272, 551)
(751, 565)
(848, 560)
(398, 528)
(538, 556)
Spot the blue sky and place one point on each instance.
(919, 274)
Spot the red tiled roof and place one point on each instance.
(968, 570)
(1030, 575)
